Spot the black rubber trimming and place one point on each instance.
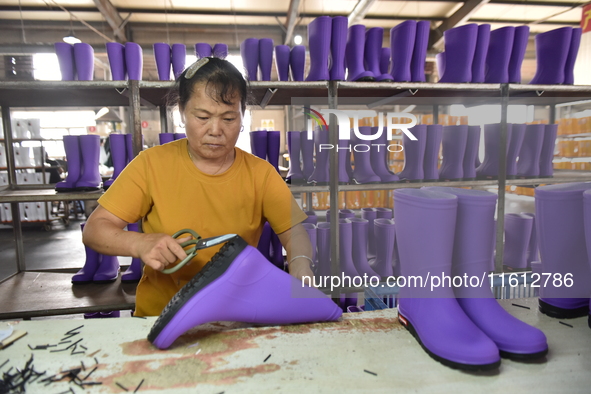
(523, 357)
(561, 313)
(446, 362)
(218, 264)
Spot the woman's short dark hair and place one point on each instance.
(222, 81)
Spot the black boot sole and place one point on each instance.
(561, 313)
(523, 356)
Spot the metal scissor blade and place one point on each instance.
(208, 242)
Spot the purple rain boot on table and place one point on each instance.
(370, 214)
(307, 146)
(165, 138)
(489, 169)
(72, 148)
(258, 143)
(220, 51)
(354, 55)
(547, 153)
(379, 154)
(90, 178)
(294, 175)
(385, 55)
(532, 246)
(472, 249)
(419, 54)
(84, 59)
(108, 269)
(338, 44)
(249, 50)
(561, 239)
(162, 55)
(518, 230)
(323, 247)
(374, 38)
(311, 230)
(203, 49)
(435, 318)
(65, 57)
(266, 58)
(402, 43)
(133, 61)
(118, 156)
(264, 245)
(116, 55)
(363, 171)
(344, 151)
(297, 62)
(273, 146)
(178, 58)
(528, 165)
(312, 217)
(517, 53)
(414, 155)
(479, 61)
(359, 249)
(282, 62)
(453, 147)
(460, 46)
(552, 48)
(320, 176)
(471, 153)
(346, 248)
(91, 264)
(385, 236)
(134, 272)
(515, 143)
(569, 67)
(499, 55)
(319, 32)
(238, 284)
(434, 135)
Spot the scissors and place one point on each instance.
(198, 244)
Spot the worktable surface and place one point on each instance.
(308, 358)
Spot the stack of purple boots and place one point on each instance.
(82, 155)
(75, 61)
(126, 61)
(98, 268)
(167, 57)
(257, 56)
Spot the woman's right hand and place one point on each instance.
(160, 250)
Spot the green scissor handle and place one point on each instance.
(192, 252)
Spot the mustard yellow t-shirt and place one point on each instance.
(163, 187)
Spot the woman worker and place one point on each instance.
(203, 182)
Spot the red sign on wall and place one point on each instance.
(586, 18)
(144, 125)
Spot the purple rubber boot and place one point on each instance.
(575, 42)
(499, 55)
(402, 43)
(84, 58)
(133, 61)
(162, 55)
(344, 151)
(338, 44)
(363, 171)
(471, 153)
(277, 252)
(354, 55)
(419, 54)
(90, 178)
(65, 57)
(238, 284)
(518, 52)
(472, 250)
(311, 230)
(435, 318)
(282, 62)
(266, 58)
(307, 146)
(528, 165)
(203, 49)
(220, 51)
(385, 55)
(294, 175)
(72, 148)
(297, 62)
(258, 143)
(134, 272)
(414, 155)
(116, 54)
(129, 147)
(179, 136)
(370, 214)
(312, 217)
(379, 155)
(385, 235)
(374, 38)
(518, 230)
(552, 48)
(359, 249)
(90, 265)
(434, 135)
(479, 61)
(547, 153)
(319, 32)
(346, 248)
(515, 143)
(249, 50)
(320, 176)
(489, 169)
(453, 147)
(178, 58)
(440, 63)
(273, 146)
(118, 156)
(384, 213)
(460, 46)
(323, 244)
(165, 138)
(108, 269)
(264, 245)
(532, 246)
(561, 235)
(587, 214)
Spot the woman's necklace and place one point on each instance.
(219, 169)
